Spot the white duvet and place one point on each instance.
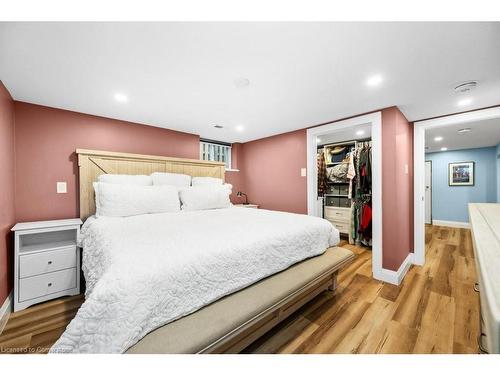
(145, 271)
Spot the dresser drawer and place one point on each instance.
(48, 261)
(338, 214)
(53, 282)
(342, 226)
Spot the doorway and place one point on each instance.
(428, 192)
(456, 141)
(315, 204)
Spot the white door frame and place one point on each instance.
(375, 119)
(419, 129)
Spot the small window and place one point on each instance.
(215, 151)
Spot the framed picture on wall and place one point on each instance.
(461, 174)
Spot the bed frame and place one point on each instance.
(93, 163)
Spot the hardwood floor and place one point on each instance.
(36, 328)
(435, 310)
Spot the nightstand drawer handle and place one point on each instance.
(49, 262)
(50, 284)
(476, 287)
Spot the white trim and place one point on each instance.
(451, 224)
(419, 195)
(375, 119)
(232, 170)
(461, 118)
(5, 311)
(395, 277)
(419, 168)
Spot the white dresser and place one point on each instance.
(340, 217)
(46, 261)
(485, 223)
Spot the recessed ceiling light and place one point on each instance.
(444, 148)
(463, 102)
(218, 126)
(438, 139)
(240, 128)
(120, 97)
(318, 140)
(464, 130)
(241, 82)
(360, 132)
(374, 80)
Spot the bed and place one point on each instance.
(208, 281)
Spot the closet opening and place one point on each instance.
(347, 190)
(345, 182)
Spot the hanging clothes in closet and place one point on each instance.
(360, 175)
(322, 178)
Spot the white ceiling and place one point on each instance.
(484, 133)
(182, 75)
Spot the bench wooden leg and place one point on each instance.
(333, 285)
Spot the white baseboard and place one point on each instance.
(451, 224)
(5, 311)
(395, 277)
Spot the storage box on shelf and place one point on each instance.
(46, 261)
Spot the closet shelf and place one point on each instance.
(337, 195)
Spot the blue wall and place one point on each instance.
(450, 202)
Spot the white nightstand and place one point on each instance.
(250, 205)
(46, 261)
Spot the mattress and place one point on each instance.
(145, 271)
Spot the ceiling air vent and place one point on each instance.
(465, 87)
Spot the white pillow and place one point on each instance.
(206, 181)
(125, 179)
(205, 197)
(174, 179)
(127, 200)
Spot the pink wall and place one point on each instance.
(7, 177)
(46, 139)
(270, 170)
(397, 188)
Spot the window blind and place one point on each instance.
(216, 152)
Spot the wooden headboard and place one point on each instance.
(92, 164)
